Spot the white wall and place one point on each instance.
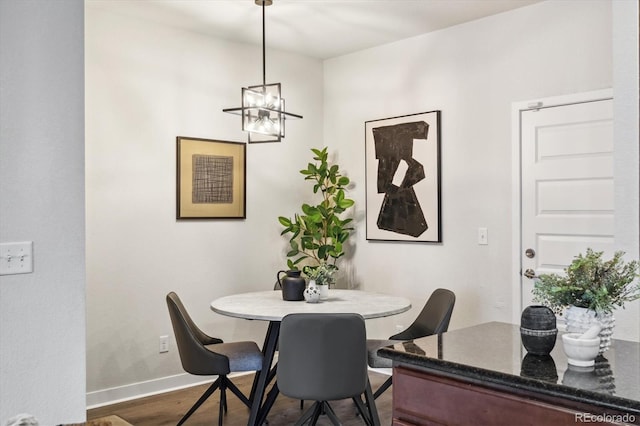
(472, 73)
(42, 314)
(145, 85)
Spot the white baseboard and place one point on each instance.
(386, 371)
(151, 387)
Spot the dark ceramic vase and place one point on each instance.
(538, 329)
(538, 317)
(292, 285)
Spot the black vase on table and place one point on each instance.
(538, 329)
(292, 285)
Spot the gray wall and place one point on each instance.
(42, 314)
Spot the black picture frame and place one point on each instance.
(403, 178)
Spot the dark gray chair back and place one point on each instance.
(434, 317)
(322, 357)
(191, 341)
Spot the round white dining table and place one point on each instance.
(269, 306)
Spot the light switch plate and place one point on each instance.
(16, 258)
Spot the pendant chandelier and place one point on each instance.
(262, 110)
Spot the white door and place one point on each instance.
(567, 190)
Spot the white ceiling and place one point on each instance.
(316, 28)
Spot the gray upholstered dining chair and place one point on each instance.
(323, 357)
(204, 355)
(433, 319)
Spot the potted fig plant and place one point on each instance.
(318, 232)
(589, 291)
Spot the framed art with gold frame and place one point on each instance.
(211, 179)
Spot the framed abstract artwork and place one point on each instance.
(211, 179)
(402, 167)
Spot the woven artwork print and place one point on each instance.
(212, 179)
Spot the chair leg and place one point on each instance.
(383, 387)
(223, 401)
(233, 388)
(362, 410)
(202, 399)
(310, 413)
(316, 413)
(331, 414)
(371, 405)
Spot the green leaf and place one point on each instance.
(343, 181)
(346, 203)
(343, 237)
(307, 209)
(284, 221)
(300, 259)
(338, 248)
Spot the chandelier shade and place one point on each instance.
(263, 112)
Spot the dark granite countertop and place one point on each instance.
(492, 353)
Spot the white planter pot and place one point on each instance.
(324, 291)
(312, 294)
(579, 320)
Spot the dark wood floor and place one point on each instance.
(167, 409)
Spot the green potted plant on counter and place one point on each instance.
(318, 232)
(589, 291)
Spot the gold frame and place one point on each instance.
(222, 179)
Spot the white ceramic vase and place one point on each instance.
(312, 293)
(579, 320)
(324, 291)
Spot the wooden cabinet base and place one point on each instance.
(422, 398)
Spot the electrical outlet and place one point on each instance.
(164, 344)
(483, 236)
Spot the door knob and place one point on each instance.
(530, 253)
(530, 273)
